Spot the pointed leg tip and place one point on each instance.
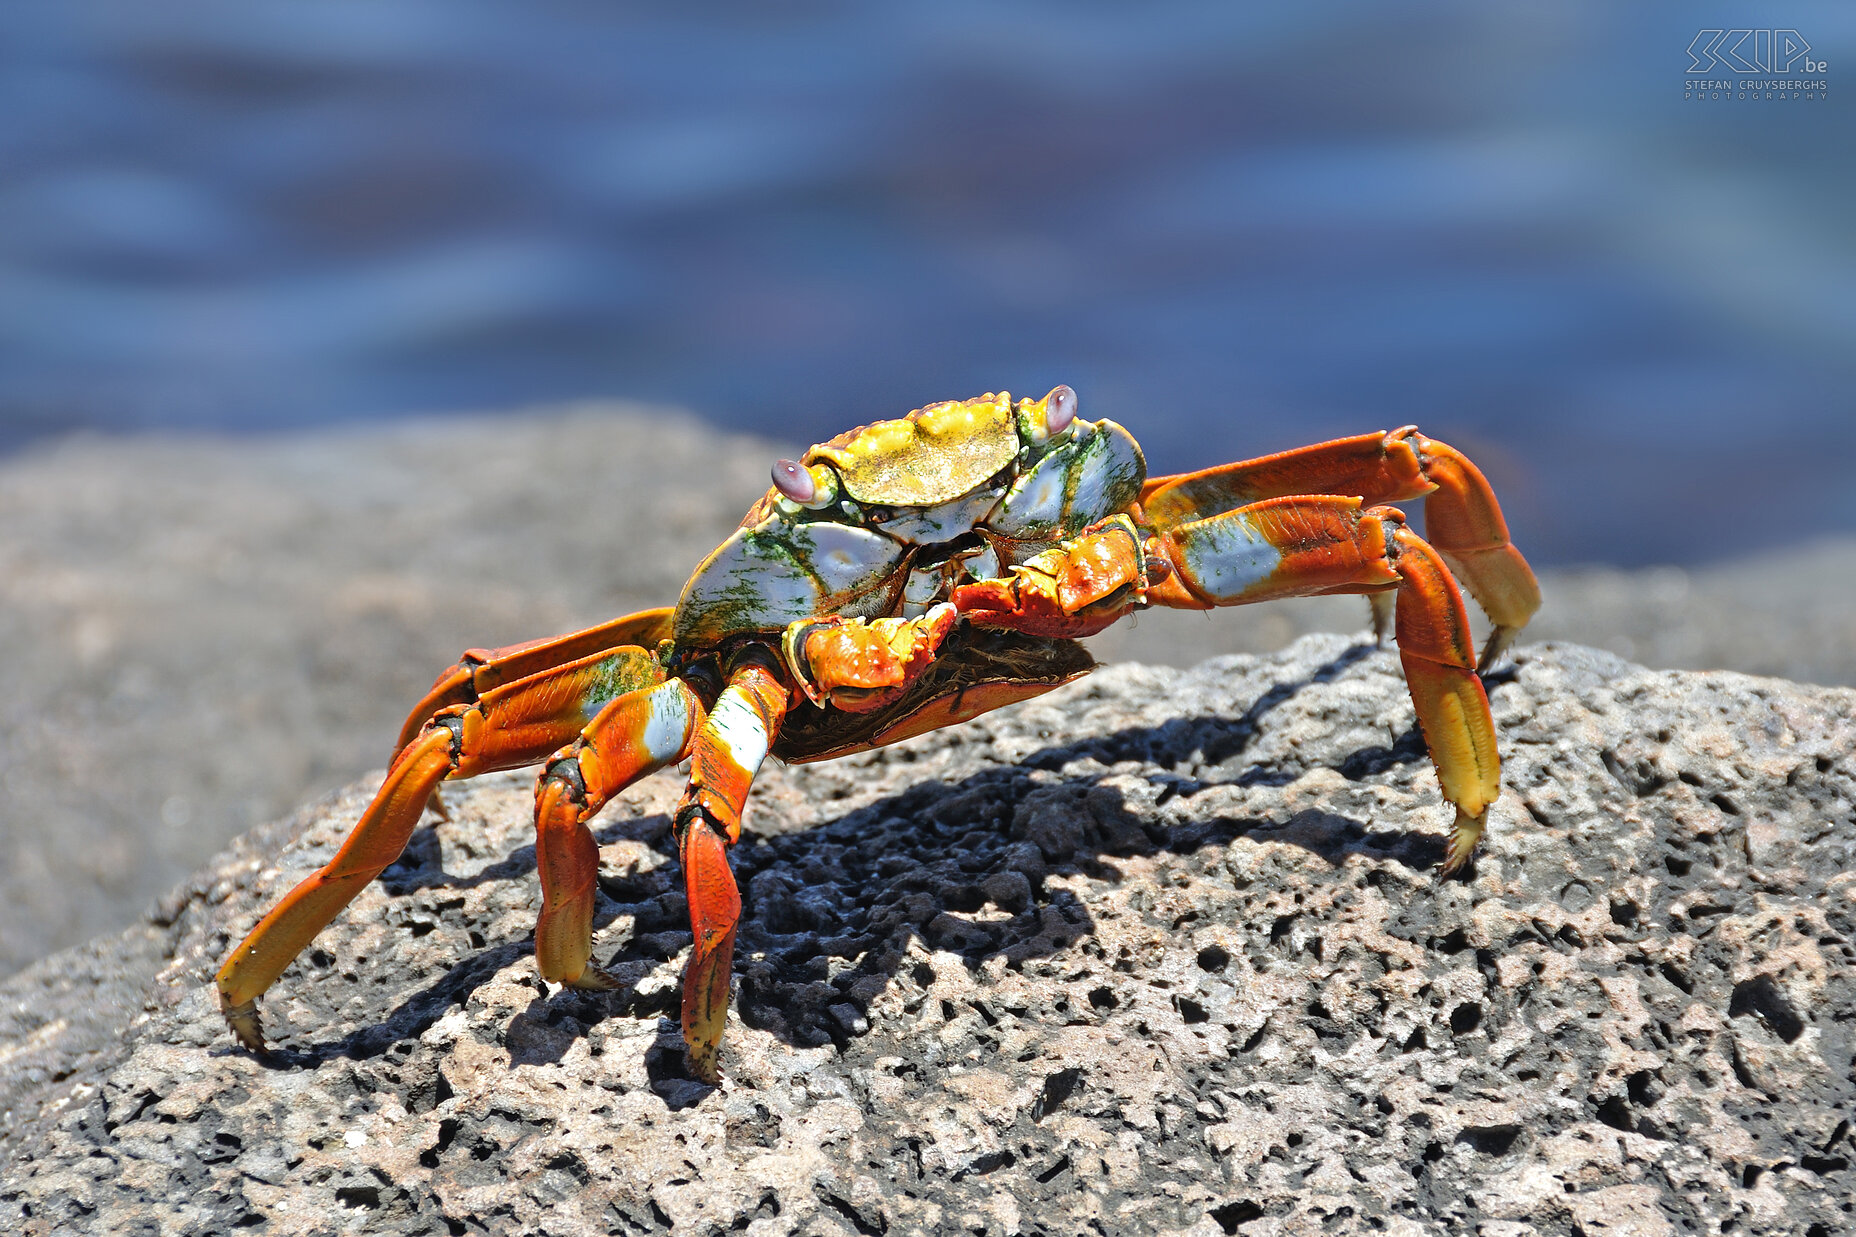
(1464, 836)
(1499, 640)
(705, 1063)
(702, 1042)
(245, 1024)
(1383, 618)
(593, 979)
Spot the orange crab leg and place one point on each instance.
(1440, 672)
(514, 725)
(726, 754)
(1461, 515)
(1291, 547)
(633, 736)
(481, 671)
(1313, 544)
(1302, 546)
(1464, 522)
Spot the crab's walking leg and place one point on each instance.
(633, 736)
(1464, 523)
(516, 724)
(1462, 517)
(1297, 547)
(481, 671)
(728, 751)
(1452, 705)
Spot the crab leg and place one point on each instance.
(1461, 515)
(1440, 672)
(513, 725)
(633, 736)
(726, 754)
(481, 671)
(1301, 546)
(1314, 544)
(1286, 547)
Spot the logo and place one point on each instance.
(1771, 51)
(1744, 53)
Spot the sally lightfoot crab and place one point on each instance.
(906, 576)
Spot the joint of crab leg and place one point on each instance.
(1074, 589)
(631, 736)
(455, 686)
(1463, 521)
(1157, 567)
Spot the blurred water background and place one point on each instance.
(1236, 228)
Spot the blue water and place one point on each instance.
(1235, 228)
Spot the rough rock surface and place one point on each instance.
(203, 633)
(1159, 953)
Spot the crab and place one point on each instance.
(905, 576)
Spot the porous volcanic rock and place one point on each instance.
(1160, 953)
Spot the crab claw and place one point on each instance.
(1076, 589)
(855, 665)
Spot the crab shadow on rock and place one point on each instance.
(829, 912)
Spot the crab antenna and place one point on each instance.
(794, 481)
(1059, 409)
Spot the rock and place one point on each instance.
(1159, 953)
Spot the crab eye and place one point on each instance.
(814, 488)
(794, 481)
(1059, 410)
